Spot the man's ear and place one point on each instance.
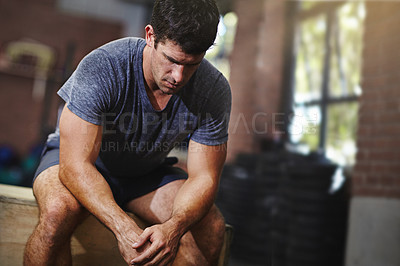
(150, 35)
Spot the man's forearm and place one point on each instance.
(192, 203)
(93, 192)
(196, 196)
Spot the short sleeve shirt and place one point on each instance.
(108, 89)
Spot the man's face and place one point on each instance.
(171, 67)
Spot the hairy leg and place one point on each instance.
(202, 244)
(59, 214)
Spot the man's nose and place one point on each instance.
(178, 73)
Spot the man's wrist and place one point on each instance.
(178, 226)
(125, 227)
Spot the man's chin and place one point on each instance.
(169, 91)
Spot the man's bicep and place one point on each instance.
(205, 159)
(80, 140)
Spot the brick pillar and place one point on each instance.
(256, 75)
(378, 159)
(374, 212)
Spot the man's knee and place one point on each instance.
(57, 206)
(61, 210)
(59, 218)
(210, 231)
(214, 221)
(205, 240)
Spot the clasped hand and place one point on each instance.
(163, 246)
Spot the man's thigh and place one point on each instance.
(47, 185)
(156, 206)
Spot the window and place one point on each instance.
(328, 46)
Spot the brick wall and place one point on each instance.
(40, 20)
(256, 74)
(378, 160)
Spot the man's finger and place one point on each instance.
(142, 238)
(148, 255)
(160, 259)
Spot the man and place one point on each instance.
(128, 104)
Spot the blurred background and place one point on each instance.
(312, 176)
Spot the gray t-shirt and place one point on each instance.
(107, 88)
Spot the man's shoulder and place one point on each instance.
(118, 56)
(206, 68)
(208, 79)
(122, 48)
(122, 43)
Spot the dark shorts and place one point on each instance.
(124, 189)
